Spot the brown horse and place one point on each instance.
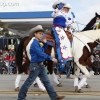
(24, 67)
(81, 57)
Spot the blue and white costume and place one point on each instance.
(58, 15)
(61, 21)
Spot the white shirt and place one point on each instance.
(61, 12)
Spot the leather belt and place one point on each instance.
(41, 63)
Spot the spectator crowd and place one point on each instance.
(95, 59)
(7, 61)
(8, 65)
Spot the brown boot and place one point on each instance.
(60, 97)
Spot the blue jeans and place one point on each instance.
(11, 69)
(68, 71)
(37, 70)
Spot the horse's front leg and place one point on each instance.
(84, 79)
(77, 72)
(80, 78)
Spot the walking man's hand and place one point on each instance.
(54, 60)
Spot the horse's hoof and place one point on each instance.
(17, 89)
(88, 86)
(76, 88)
(44, 91)
(80, 91)
(35, 85)
(59, 85)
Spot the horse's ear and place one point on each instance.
(96, 14)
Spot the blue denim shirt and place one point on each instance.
(37, 52)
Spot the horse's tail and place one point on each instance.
(19, 55)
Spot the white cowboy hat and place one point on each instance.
(33, 30)
(57, 2)
(67, 6)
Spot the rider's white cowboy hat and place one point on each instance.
(57, 2)
(67, 6)
(33, 30)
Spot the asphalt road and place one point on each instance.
(7, 89)
(46, 97)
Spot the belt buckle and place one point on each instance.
(41, 63)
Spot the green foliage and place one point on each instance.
(3, 31)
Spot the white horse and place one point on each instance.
(82, 47)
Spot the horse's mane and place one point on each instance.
(90, 35)
(90, 24)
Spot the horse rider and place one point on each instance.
(60, 22)
(61, 12)
(36, 65)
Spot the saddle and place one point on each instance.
(69, 35)
(51, 40)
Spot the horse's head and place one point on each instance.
(97, 16)
(89, 26)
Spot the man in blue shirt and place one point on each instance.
(37, 56)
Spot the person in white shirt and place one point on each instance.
(61, 20)
(61, 17)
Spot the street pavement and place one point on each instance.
(7, 89)
(45, 97)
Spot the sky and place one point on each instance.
(84, 10)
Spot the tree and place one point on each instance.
(3, 31)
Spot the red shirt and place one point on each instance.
(6, 58)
